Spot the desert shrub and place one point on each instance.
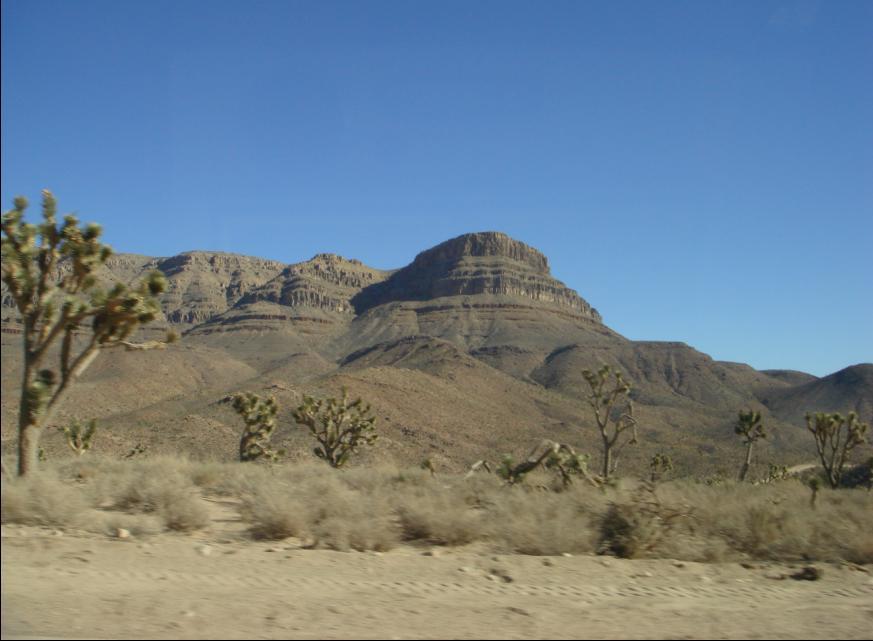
(438, 516)
(341, 519)
(209, 476)
(42, 499)
(386, 478)
(775, 521)
(183, 512)
(542, 523)
(160, 486)
(273, 512)
(321, 509)
(641, 524)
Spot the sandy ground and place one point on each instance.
(217, 584)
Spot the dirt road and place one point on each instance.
(183, 586)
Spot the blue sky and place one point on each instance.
(698, 171)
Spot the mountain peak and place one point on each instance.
(489, 265)
(484, 244)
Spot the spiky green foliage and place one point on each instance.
(750, 429)
(776, 473)
(548, 455)
(339, 426)
(79, 436)
(50, 270)
(569, 465)
(660, 466)
(609, 397)
(259, 415)
(835, 437)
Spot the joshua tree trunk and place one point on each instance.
(28, 431)
(28, 448)
(607, 458)
(747, 464)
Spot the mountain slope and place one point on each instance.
(472, 350)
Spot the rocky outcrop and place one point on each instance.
(326, 282)
(488, 263)
(201, 285)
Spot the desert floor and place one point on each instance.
(218, 584)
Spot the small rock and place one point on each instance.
(465, 569)
(433, 552)
(375, 553)
(678, 564)
(503, 575)
(548, 563)
(57, 533)
(520, 611)
(809, 573)
(122, 533)
(605, 563)
(748, 566)
(204, 550)
(566, 554)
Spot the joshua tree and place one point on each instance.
(50, 272)
(748, 426)
(660, 466)
(79, 436)
(833, 442)
(259, 415)
(339, 426)
(614, 414)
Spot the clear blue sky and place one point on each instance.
(698, 171)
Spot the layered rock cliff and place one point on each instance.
(326, 282)
(202, 285)
(489, 263)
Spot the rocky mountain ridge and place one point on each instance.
(473, 347)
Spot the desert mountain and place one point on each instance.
(472, 350)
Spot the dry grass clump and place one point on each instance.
(342, 519)
(314, 504)
(42, 499)
(161, 487)
(544, 523)
(438, 515)
(777, 522)
(638, 522)
(274, 512)
(377, 508)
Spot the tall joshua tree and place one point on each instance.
(613, 412)
(749, 427)
(50, 272)
(835, 438)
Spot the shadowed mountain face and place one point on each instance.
(471, 351)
